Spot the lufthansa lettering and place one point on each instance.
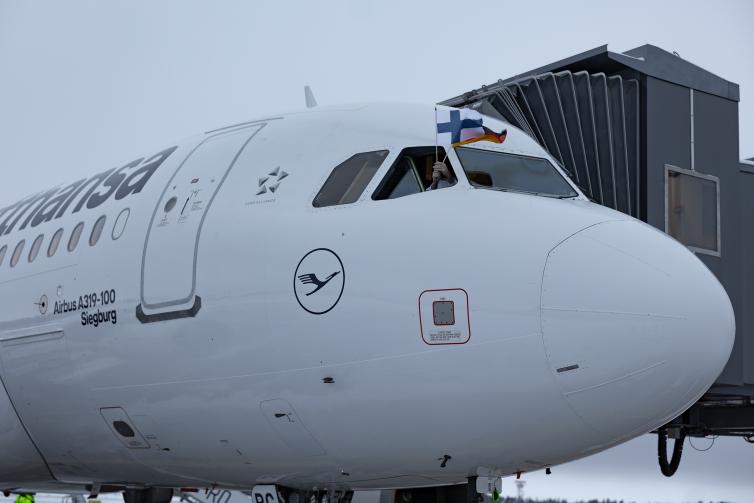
(115, 183)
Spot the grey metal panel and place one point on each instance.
(664, 65)
(540, 111)
(746, 333)
(570, 109)
(620, 154)
(633, 146)
(554, 105)
(589, 131)
(521, 99)
(601, 106)
(506, 96)
(668, 127)
(488, 107)
(507, 108)
(716, 153)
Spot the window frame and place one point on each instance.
(18, 251)
(35, 248)
(54, 244)
(71, 246)
(703, 176)
(385, 178)
(98, 228)
(525, 155)
(368, 188)
(397, 153)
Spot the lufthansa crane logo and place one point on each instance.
(319, 281)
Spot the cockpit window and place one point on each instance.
(402, 180)
(413, 173)
(515, 173)
(349, 179)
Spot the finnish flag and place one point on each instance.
(458, 125)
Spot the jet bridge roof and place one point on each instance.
(646, 59)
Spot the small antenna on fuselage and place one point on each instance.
(311, 102)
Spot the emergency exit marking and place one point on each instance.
(444, 316)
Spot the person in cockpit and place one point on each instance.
(441, 177)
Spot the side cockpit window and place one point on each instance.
(402, 180)
(348, 180)
(416, 170)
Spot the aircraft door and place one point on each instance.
(37, 374)
(168, 273)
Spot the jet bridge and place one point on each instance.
(650, 134)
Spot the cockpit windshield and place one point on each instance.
(515, 173)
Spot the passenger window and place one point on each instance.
(120, 224)
(17, 253)
(412, 173)
(54, 242)
(3, 251)
(348, 180)
(35, 246)
(513, 173)
(693, 209)
(97, 230)
(73, 242)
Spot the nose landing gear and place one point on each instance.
(150, 495)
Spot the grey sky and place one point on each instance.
(88, 85)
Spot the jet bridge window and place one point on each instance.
(348, 180)
(412, 173)
(513, 173)
(692, 209)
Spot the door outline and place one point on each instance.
(194, 309)
(31, 337)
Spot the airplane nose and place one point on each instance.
(635, 325)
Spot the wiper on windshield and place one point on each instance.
(542, 194)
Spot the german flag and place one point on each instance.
(487, 135)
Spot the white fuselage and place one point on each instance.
(184, 322)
